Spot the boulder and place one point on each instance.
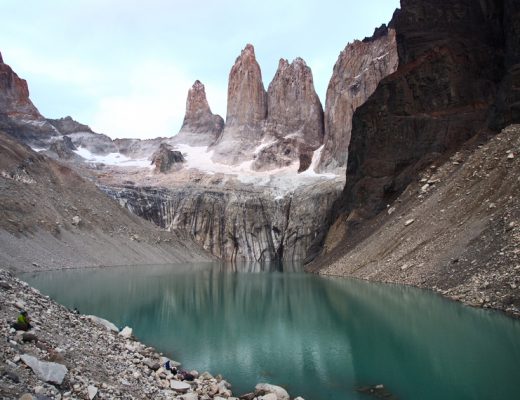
(268, 396)
(126, 332)
(166, 159)
(100, 321)
(179, 386)
(281, 393)
(46, 371)
(92, 391)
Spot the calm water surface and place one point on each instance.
(318, 337)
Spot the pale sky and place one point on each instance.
(124, 67)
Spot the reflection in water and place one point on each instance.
(319, 337)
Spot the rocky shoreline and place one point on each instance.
(72, 356)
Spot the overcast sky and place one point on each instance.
(124, 67)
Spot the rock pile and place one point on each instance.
(71, 356)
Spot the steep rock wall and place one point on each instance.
(246, 110)
(18, 115)
(451, 64)
(237, 224)
(294, 122)
(357, 72)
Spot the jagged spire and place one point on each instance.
(247, 98)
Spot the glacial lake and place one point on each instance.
(320, 338)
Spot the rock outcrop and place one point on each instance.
(357, 72)
(14, 95)
(200, 127)
(246, 110)
(63, 148)
(294, 122)
(18, 115)
(451, 66)
(166, 159)
(67, 125)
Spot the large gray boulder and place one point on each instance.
(46, 371)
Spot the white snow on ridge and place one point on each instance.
(117, 159)
(283, 179)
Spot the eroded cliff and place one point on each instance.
(358, 71)
(234, 221)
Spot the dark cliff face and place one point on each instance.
(507, 107)
(451, 63)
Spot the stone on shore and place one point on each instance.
(92, 391)
(126, 332)
(46, 371)
(107, 324)
(180, 386)
(281, 393)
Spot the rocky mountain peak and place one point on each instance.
(68, 125)
(247, 102)
(197, 102)
(15, 105)
(1, 59)
(246, 111)
(357, 72)
(200, 126)
(295, 117)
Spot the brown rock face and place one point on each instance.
(294, 118)
(451, 57)
(247, 100)
(246, 110)
(18, 115)
(14, 94)
(358, 71)
(200, 127)
(293, 105)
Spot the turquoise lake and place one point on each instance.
(320, 338)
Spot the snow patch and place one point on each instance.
(282, 181)
(381, 57)
(37, 123)
(116, 159)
